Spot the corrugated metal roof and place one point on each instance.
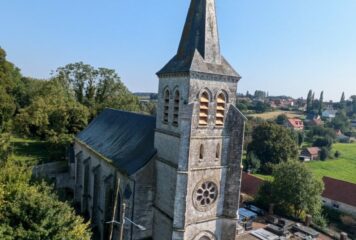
(127, 139)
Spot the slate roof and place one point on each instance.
(340, 191)
(199, 48)
(127, 139)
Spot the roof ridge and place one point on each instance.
(125, 111)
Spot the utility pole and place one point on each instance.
(122, 222)
(111, 229)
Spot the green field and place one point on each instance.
(343, 168)
(275, 114)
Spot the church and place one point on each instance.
(178, 173)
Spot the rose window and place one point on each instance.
(205, 194)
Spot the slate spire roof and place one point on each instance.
(199, 48)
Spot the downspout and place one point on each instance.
(133, 207)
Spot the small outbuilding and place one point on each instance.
(309, 154)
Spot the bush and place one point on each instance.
(323, 142)
(320, 221)
(252, 162)
(324, 154)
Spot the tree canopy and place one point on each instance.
(272, 144)
(294, 190)
(30, 210)
(97, 88)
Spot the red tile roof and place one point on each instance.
(340, 191)
(313, 150)
(250, 184)
(296, 123)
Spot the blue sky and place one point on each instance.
(281, 46)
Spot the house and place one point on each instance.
(295, 124)
(329, 114)
(311, 116)
(339, 195)
(309, 154)
(342, 137)
(178, 173)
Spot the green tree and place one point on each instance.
(294, 190)
(5, 147)
(309, 101)
(324, 153)
(323, 142)
(52, 114)
(321, 102)
(343, 98)
(281, 119)
(97, 88)
(299, 136)
(353, 99)
(261, 107)
(7, 107)
(320, 131)
(252, 162)
(32, 210)
(273, 144)
(341, 121)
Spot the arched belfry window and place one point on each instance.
(220, 109)
(217, 153)
(166, 106)
(204, 109)
(201, 152)
(176, 108)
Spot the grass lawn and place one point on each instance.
(31, 151)
(343, 168)
(275, 114)
(263, 177)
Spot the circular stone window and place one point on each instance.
(205, 194)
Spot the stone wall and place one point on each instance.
(136, 191)
(342, 207)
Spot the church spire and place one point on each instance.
(199, 48)
(201, 32)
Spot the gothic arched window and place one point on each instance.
(176, 108)
(166, 106)
(201, 152)
(220, 109)
(204, 109)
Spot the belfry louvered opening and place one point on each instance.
(166, 106)
(204, 109)
(176, 108)
(220, 109)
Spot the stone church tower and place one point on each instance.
(199, 137)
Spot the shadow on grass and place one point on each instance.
(36, 152)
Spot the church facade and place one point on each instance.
(179, 173)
